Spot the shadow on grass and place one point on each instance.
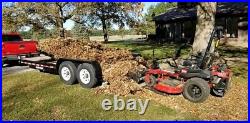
(167, 49)
(230, 51)
(162, 50)
(240, 70)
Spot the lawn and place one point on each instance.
(146, 48)
(168, 49)
(39, 96)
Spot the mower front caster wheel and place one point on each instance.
(196, 90)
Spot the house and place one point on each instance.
(179, 24)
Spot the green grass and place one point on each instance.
(240, 70)
(40, 96)
(230, 51)
(168, 50)
(146, 48)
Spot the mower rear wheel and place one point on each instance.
(196, 90)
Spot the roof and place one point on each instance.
(223, 9)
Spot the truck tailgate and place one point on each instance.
(18, 47)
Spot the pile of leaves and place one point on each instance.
(117, 76)
(115, 63)
(83, 49)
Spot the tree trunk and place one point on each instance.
(61, 29)
(105, 31)
(205, 24)
(61, 20)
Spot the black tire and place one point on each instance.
(196, 90)
(90, 79)
(3, 63)
(71, 71)
(12, 63)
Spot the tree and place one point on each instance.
(142, 29)
(205, 24)
(154, 10)
(12, 18)
(40, 15)
(159, 9)
(105, 14)
(79, 31)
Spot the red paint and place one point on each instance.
(169, 89)
(15, 48)
(226, 74)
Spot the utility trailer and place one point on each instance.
(87, 73)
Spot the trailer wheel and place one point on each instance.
(196, 90)
(86, 75)
(67, 72)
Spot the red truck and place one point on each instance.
(13, 47)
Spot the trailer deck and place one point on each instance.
(42, 63)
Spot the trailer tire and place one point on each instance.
(67, 72)
(196, 90)
(86, 75)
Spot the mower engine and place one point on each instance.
(221, 79)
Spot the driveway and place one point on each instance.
(14, 69)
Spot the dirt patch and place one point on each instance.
(58, 112)
(38, 101)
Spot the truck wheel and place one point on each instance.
(86, 75)
(67, 72)
(196, 90)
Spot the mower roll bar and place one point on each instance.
(216, 33)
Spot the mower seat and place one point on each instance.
(205, 74)
(187, 63)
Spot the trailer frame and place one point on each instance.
(48, 64)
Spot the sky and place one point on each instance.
(69, 24)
